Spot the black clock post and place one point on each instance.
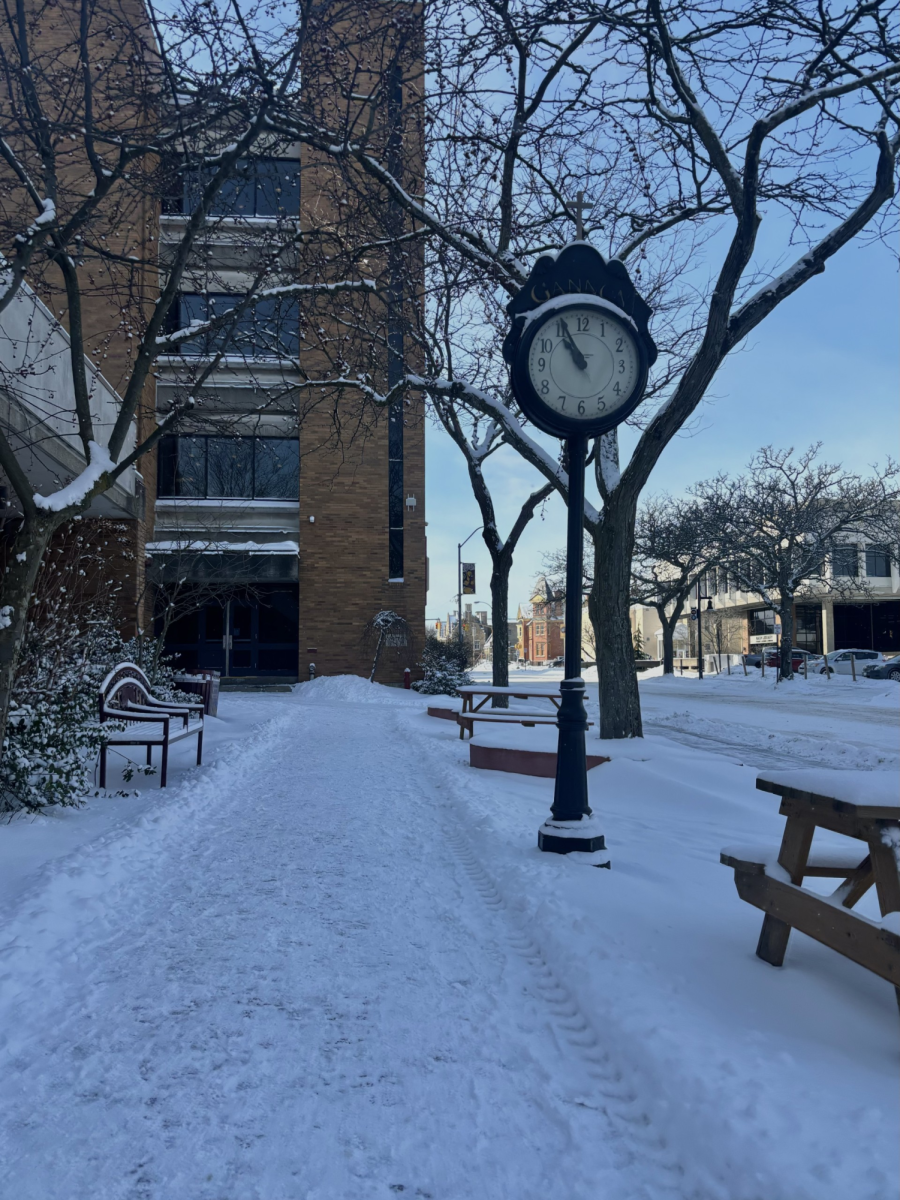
(579, 351)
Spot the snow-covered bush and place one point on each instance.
(71, 643)
(444, 665)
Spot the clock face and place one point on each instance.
(584, 363)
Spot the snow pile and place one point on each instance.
(353, 689)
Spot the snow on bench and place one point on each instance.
(141, 719)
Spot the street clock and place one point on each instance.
(579, 349)
(580, 367)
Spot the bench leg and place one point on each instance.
(793, 856)
(855, 886)
(149, 756)
(200, 748)
(165, 764)
(103, 766)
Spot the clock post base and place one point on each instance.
(567, 837)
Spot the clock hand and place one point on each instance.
(577, 357)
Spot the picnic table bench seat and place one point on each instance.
(861, 806)
(142, 719)
(503, 716)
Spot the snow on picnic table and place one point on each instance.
(333, 965)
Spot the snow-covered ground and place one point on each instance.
(331, 964)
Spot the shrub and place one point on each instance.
(444, 664)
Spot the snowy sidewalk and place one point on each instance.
(292, 985)
(334, 966)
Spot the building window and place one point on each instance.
(845, 560)
(261, 187)
(207, 467)
(270, 328)
(878, 561)
(808, 627)
(761, 621)
(395, 491)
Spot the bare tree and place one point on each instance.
(673, 547)
(478, 438)
(777, 527)
(685, 124)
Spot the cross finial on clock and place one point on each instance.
(579, 206)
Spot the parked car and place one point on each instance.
(773, 659)
(557, 662)
(752, 660)
(838, 662)
(889, 669)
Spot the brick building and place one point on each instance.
(272, 541)
(541, 627)
(308, 538)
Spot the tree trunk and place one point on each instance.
(668, 632)
(787, 637)
(499, 619)
(593, 607)
(620, 702)
(25, 557)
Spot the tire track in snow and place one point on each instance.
(630, 1126)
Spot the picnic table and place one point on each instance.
(861, 806)
(472, 712)
(469, 691)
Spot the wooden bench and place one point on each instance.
(141, 719)
(772, 879)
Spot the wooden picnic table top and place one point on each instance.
(871, 795)
(488, 689)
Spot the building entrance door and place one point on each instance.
(262, 633)
(255, 633)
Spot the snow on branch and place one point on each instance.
(196, 328)
(77, 491)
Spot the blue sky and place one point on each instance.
(824, 367)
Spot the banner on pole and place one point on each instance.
(468, 579)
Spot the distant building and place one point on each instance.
(541, 627)
(864, 616)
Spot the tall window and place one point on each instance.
(270, 328)
(878, 561)
(395, 362)
(845, 560)
(236, 468)
(261, 187)
(808, 627)
(762, 621)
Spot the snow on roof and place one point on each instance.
(207, 547)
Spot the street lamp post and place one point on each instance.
(709, 605)
(579, 350)
(459, 594)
